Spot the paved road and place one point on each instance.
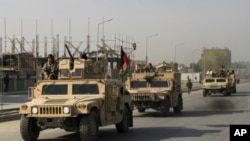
(203, 119)
(13, 99)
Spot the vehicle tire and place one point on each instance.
(204, 93)
(123, 126)
(234, 89)
(179, 106)
(225, 93)
(29, 129)
(164, 107)
(88, 127)
(141, 109)
(229, 92)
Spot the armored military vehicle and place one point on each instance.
(86, 95)
(158, 88)
(218, 82)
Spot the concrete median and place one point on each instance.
(9, 114)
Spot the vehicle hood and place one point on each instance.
(65, 101)
(149, 90)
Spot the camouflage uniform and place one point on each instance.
(50, 70)
(189, 85)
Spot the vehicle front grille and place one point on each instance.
(51, 110)
(143, 97)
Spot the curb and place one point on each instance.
(14, 93)
(9, 114)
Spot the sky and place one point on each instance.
(183, 27)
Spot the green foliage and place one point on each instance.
(213, 60)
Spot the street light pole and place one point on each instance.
(147, 45)
(98, 35)
(175, 51)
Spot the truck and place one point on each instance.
(158, 88)
(215, 83)
(87, 94)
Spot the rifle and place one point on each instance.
(71, 58)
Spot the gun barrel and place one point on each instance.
(71, 57)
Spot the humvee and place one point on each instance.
(86, 95)
(214, 83)
(158, 88)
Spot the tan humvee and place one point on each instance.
(158, 88)
(214, 82)
(83, 98)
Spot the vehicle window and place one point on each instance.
(138, 84)
(77, 73)
(159, 84)
(85, 89)
(221, 80)
(64, 73)
(55, 89)
(210, 80)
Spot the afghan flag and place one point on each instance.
(124, 65)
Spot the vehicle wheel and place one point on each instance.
(164, 107)
(229, 92)
(141, 109)
(225, 93)
(29, 129)
(234, 89)
(88, 127)
(123, 126)
(204, 92)
(179, 106)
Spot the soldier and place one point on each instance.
(6, 82)
(222, 71)
(50, 69)
(189, 85)
(149, 67)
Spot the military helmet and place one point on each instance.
(51, 56)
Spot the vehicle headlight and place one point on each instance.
(34, 110)
(65, 110)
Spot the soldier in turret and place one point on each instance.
(50, 69)
(149, 68)
(222, 71)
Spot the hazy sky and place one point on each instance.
(196, 23)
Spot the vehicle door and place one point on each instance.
(112, 101)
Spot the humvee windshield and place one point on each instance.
(55, 89)
(159, 84)
(62, 89)
(138, 84)
(221, 80)
(85, 89)
(210, 80)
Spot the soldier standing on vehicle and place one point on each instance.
(222, 71)
(50, 69)
(149, 67)
(189, 85)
